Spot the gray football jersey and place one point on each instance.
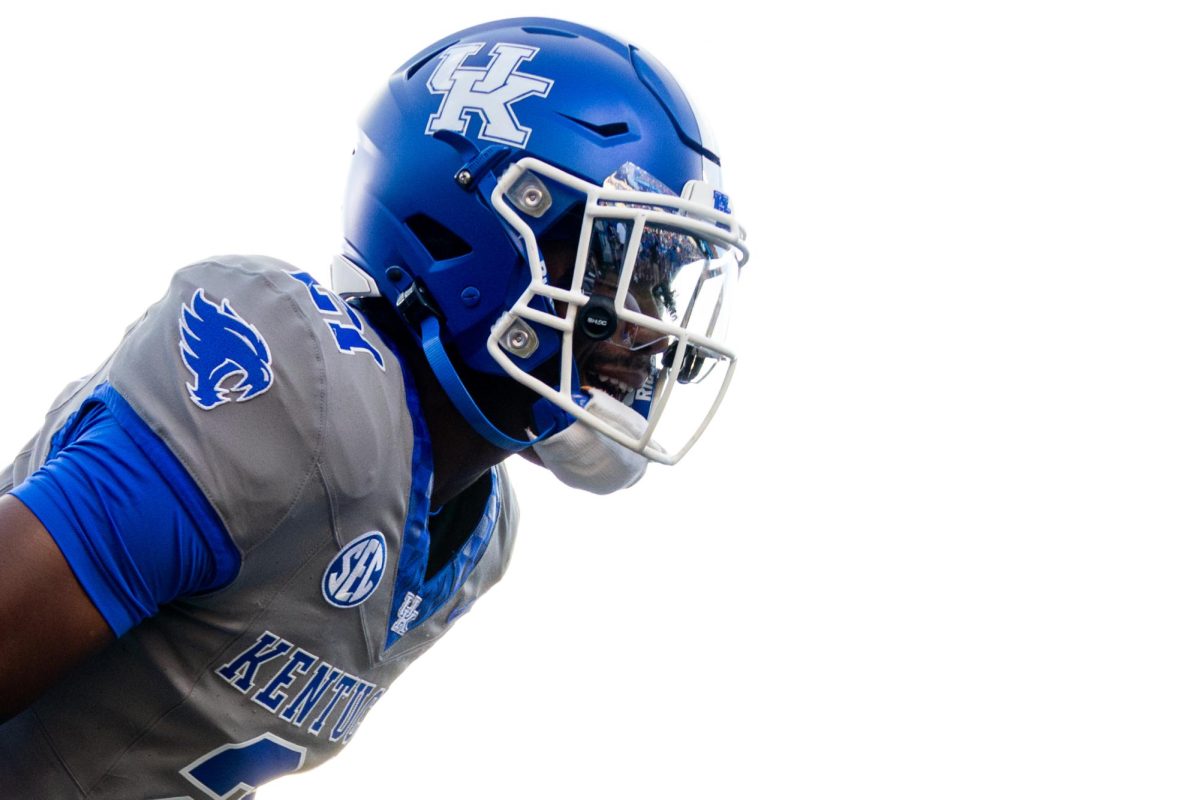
(290, 416)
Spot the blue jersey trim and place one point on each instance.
(453, 575)
(227, 557)
(133, 526)
(414, 551)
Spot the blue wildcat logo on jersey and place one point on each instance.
(219, 348)
(356, 571)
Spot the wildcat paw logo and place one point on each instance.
(226, 355)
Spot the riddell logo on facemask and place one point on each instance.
(487, 92)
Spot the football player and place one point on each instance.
(223, 546)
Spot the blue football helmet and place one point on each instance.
(540, 200)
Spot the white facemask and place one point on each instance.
(584, 458)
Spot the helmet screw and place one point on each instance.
(532, 197)
(519, 339)
(470, 296)
(463, 178)
(394, 274)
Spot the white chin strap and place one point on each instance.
(583, 458)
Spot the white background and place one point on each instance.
(941, 542)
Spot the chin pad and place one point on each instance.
(584, 458)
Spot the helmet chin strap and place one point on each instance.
(477, 175)
(421, 317)
(451, 383)
(547, 417)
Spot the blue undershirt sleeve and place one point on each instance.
(127, 516)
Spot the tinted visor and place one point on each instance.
(673, 280)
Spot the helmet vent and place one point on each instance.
(422, 62)
(441, 242)
(605, 131)
(549, 32)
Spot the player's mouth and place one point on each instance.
(616, 377)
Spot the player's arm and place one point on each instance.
(106, 531)
(47, 622)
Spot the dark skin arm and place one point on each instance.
(47, 623)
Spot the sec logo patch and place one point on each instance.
(356, 571)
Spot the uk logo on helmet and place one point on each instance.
(218, 346)
(490, 92)
(356, 571)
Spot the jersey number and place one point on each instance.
(233, 770)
